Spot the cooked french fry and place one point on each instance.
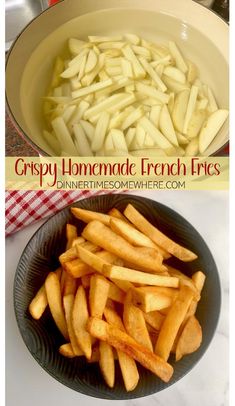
(199, 280)
(71, 252)
(77, 268)
(67, 351)
(68, 302)
(123, 342)
(85, 280)
(53, 292)
(88, 215)
(123, 285)
(128, 366)
(104, 237)
(39, 303)
(142, 224)
(70, 285)
(154, 319)
(184, 280)
(117, 214)
(71, 234)
(96, 261)
(80, 318)
(135, 237)
(190, 338)
(106, 362)
(172, 322)
(131, 275)
(98, 295)
(150, 301)
(95, 355)
(135, 325)
(115, 293)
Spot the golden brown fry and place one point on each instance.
(78, 240)
(117, 214)
(184, 280)
(154, 319)
(70, 285)
(115, 293)
(67, 351)
(142, 224)
(71, 234)
(123, 342)
(198, 279)
(131, 275)
(98, 295)
(68, 302)
(123, 285)
(86, 279)
(172, 322)
(80, 317)
(106, 363)
(53, 291)
(39, 303)
(150, 301)
(88, 215)
(68, 255)
(135, 325)
(96, 261)
(134, 236)
(104, 237)
(190, 338)
(95, 355)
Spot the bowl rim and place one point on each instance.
(18, 128)
(219, 298)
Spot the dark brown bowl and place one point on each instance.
(42, 337)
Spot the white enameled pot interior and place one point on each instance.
(202, 36)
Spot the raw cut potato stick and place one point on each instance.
(211, 127)
(157, 236)
(108, 240)
(139, 72)
(80, 318)
(152, 92)
(92, 88)
(159, 139)
(53, 292)
(131, 275)
(127, 365)
(153, 74)
(179, 60)
(123, 342)
(64, 136)
(172, 322)
(191, 107)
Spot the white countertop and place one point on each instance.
(206, 385)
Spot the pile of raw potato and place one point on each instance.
(123, 95)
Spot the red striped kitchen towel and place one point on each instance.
(24, 207)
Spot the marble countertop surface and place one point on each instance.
(28, 384)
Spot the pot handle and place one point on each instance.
(51, 2)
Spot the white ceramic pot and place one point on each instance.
(200, 33)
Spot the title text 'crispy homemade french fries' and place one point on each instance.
(106, 362)
(123, 342)
(126, 274)
(101, 235)
(80, 317)
(54, 297)
(190, 338)
(157, 236)
(88, 215)
(134, 236)
(172, 322)
(98, 295)
(135, 326)
(128, 366)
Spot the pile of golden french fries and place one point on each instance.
(115, 297)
